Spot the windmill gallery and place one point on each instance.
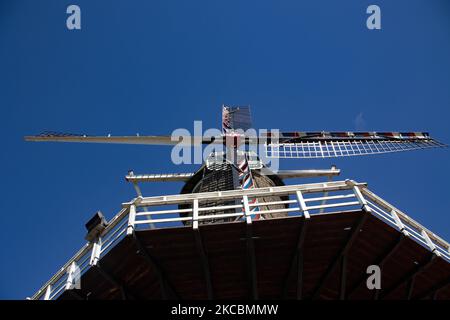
(238, 230)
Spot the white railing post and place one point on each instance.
(430, 243)
(195, 214)
(302, 204)
(48, 291)
(71, 276)
(131, 219)
(95, 254)
(247, 212)
(361, 199)
(399, 223)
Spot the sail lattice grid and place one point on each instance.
(342, 148)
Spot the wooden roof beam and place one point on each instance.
(117, 283)
(250, 246)
(434, 290)
(167, 290)
(380, 261)
(348, 243)
(409, 277)
(298, 255)
(201, 251)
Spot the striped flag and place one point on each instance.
(246, 182)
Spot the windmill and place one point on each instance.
(235, 168)
(236, 184)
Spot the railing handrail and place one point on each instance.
(81, 253)
(359, 190)
(405, 217)
(231, 194)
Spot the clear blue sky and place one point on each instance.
(150, 67)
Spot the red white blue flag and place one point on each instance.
(246, 181)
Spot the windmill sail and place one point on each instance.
(341, 144)
(146, 140)
(276, 145)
